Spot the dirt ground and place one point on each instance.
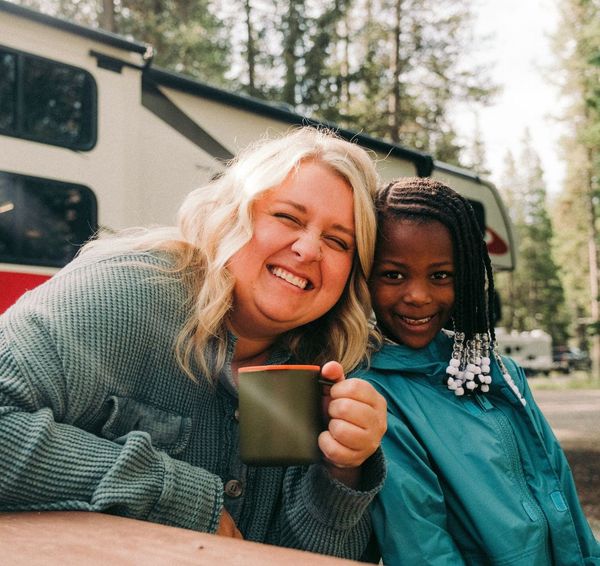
(585, 467)
(574, 415)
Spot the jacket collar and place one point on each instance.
(431, 360)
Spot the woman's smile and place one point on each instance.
(294, 280)
(296, 265)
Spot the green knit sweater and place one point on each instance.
(95, 414)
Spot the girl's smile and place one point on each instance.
(412, 284)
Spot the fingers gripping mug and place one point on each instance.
(280, 414)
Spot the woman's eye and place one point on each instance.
(286, 217)
(338, 243)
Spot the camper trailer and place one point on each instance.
(531, 350)
(94, 138)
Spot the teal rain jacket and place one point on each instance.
(471, 480)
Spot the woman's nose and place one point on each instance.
(308, 246)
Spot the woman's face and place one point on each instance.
(412, 282)
(295, 267)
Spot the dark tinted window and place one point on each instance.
(43, 222)
(8, 89)
(46, 101)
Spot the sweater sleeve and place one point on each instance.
(321, 514)
(409, 515)
(51, 389)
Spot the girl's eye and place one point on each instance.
(394, 275)
(442, 275)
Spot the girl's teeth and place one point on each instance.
(416, 321)
(287, 276)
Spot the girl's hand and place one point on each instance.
(356, 419)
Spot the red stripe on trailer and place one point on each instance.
(14, 284)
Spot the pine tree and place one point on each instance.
(413, 65)
(536, 294)
(324, 83)
(576, 46)
(477, 159)
(509, 188)
(187, 35)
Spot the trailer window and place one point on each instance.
(46, 101)
(42, 221)
(7, 91)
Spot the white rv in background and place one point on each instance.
(93, 136)
(531, 350)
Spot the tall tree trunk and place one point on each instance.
(369, 45)
(250, 49)
(106, 18)
(290, 57)
(593, 259)
(509, 322)
(343, 81)
(394, 105)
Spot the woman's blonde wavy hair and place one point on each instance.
(215, 221)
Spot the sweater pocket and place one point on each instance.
(169, 431)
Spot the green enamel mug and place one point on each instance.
(279, 414)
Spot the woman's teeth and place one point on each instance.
(287, 276)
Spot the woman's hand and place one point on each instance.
(356, 419)
(227, 526)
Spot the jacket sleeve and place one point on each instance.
(590, 547)
(51, 458)
(409, 515)
(321, 514)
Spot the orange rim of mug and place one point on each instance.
(279, 367)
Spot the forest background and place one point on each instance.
(396, 69)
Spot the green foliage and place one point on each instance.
(412, 66)
(533, 295)
(390, 68)
(476, 158)
(186, 35)
(571, 217)
(577, 51)
(324, 87)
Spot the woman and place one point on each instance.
(118, 376)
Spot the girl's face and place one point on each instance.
(412, 283)
(295, 267)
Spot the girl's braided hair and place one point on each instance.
(421, 199)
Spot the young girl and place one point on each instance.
(475, 474)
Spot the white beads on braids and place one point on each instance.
(455, 377)
(509, 380)
(466, 369)
(469, 367)
(484, 362)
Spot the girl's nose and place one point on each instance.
(308, 247)
(416, 294)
